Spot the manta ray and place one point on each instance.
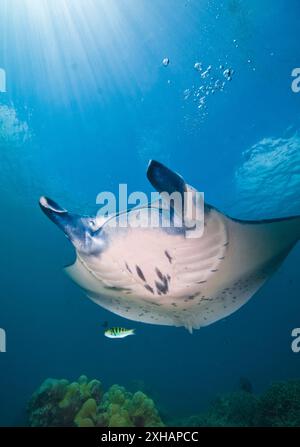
(155, 274)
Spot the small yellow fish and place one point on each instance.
(118, 332)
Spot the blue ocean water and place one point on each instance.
(88, 102)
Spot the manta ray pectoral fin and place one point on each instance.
(265, 239)
(257, 248)
(82, 277)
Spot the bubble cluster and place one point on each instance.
(13, 131)
(212, 80)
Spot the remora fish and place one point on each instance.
(157, 275)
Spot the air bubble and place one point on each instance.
(219, 84)
(228, 73)
(198, 66)
(186, 93)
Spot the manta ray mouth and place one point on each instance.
(75, 227)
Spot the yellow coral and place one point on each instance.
(72, 392)
(142, 411)
(82, 403)
(87, 415)
(116, 394)
(85, 422)
(118, 416)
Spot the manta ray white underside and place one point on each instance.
(158, 276)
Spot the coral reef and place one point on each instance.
(278, 406)
(83, 404)
(237, 409)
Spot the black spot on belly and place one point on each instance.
(170, 259)
(140, 273)
(162, 287)
(159, 274)
(149, 288)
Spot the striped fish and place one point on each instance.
(118, 332)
